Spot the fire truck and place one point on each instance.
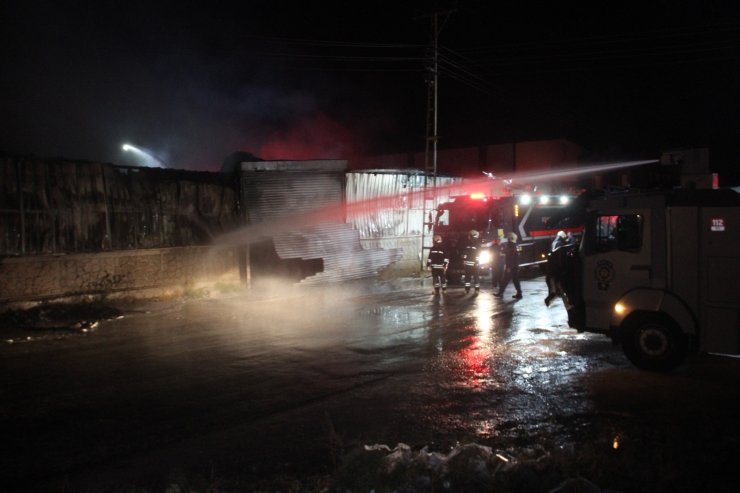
(658, 272)
(533, 217)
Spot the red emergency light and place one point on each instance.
(478, 196)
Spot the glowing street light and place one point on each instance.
(145, 157)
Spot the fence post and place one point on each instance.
(109, 239)
(52, 208)
(21, 206)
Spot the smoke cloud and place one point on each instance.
(310, 137)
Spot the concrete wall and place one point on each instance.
(127, 272)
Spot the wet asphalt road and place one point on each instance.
(252, 385)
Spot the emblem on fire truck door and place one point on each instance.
(604, 274)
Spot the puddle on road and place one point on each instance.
(504, 372)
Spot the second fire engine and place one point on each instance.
(533, 217)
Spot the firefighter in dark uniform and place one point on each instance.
(511, 271)
(471, 261)
(438, 262)
(497, 272)
(553, 267)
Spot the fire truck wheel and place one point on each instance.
(653, 341)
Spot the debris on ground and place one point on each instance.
(467, 467)
(51, 319)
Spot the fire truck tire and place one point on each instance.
(653, 342)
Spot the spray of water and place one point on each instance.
(338, 212)
(144, 157)
(540, 176)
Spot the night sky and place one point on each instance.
(336, 80)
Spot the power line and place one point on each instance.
(683, 44)
(623, 53)
(344, 58)
(459, 68)
(653, 35)
(317, 42)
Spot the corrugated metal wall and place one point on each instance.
(339, 247)
(386, 207)
(56, 206)
(405, 189)
(276, 190)
(270, 195)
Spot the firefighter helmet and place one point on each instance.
(474, 233)
(512, 237)
(561, 234)
(437, 239)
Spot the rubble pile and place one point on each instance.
(467, 467)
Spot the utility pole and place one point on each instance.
(432, 138)
(432, 98)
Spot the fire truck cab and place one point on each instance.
(659, 272)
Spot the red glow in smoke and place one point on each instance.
(314, 137)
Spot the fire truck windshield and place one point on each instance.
(454, 216)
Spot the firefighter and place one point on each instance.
(471, 261)
(497, 272)
(558, 241)
(437, 262)
(553, 266)
(511, 271)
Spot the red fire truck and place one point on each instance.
(535, 218)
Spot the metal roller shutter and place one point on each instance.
(272, 191)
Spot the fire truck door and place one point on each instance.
(719, 289)
(616, 259)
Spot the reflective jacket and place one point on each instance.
(470, 255)
(437, 258)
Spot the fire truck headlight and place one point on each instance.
(525, 199)
(485, 257)
(619, 309)
(564, 199)
(544, 199)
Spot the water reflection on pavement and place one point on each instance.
(272, 382)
